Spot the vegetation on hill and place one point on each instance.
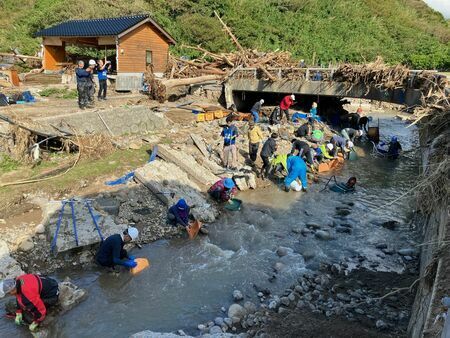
(404, 31)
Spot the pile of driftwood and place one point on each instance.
(376, 74)
(214, 66)
(224, 63)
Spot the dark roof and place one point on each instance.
(99, 27)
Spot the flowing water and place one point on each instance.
(189, 281)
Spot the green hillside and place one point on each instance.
(404, 31)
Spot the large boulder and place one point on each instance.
(9, 268)
(236, 311)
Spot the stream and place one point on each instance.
(189, 281)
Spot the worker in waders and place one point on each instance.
(34, 295)
(83, 78)
(112, 253)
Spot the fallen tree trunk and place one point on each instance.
(188, 81)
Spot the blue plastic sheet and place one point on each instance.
(125, 178)
(121, 180)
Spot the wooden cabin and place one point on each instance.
(138, 40)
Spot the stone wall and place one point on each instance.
(434, 262)
(121, 120)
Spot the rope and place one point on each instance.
(87, 203)
(58, 224)
(74, 221)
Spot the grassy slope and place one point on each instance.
(355, 30)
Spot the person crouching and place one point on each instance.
(223, 190)
(178, 214)
(112, 253)
(34, 295)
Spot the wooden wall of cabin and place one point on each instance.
(53, 55)
(133, 46)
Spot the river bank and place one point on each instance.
(305, 241)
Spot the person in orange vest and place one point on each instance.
(34, 294)
(285, 104)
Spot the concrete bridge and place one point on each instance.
(315, 82)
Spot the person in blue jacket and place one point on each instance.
(178, 214)
(112, 253)
(296, 169)
(102, 73)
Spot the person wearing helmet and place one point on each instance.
(325, 150)
(296, 168)
(268, 150)
(256, 109)
(285, 104)
(91, 84)
(178, 214)
(394, 148)
(34, 295)
(223, 190)
(350, 134)
(341, 143)
(83, 76)
(112, 253)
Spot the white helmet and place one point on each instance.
(92, 62)
(293, 97)
(261, 101)
(133, 233)
(350, 144)
(330, 146)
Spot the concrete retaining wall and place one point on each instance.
(400, 96)
(121, 120)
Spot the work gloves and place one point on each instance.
(33, 326)
(130, 264)
(18, 320)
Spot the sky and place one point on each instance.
(442, 6)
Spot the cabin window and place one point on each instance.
(148, 58)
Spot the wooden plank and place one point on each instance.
(166, 154)
(200, 144)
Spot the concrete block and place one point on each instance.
(165, 179)
(86, 230)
